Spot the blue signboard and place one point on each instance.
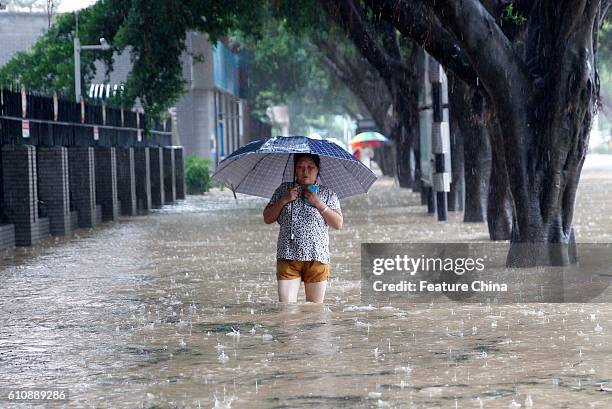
(220, 142)
(226, 69)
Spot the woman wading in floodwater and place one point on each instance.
(314, 208)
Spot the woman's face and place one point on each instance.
(306, 171)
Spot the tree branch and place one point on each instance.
(418, 22)
(488, 49)
(397, 76)
(605, 7)
(361, 78)
(348, 16)
(507, 82)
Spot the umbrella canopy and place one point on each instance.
(367, 144)
(259, 167)
(370, 139)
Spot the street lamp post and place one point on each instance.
(104, 45)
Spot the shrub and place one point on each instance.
(197, 175)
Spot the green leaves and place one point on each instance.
(284, 65)
(153, 31)
(509, 14)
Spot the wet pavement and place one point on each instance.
(178, 309)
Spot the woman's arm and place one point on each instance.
(271, 212)
(333, 217)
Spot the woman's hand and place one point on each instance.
(312, 198)
(333, 217)
(274, 210)
(290, 196)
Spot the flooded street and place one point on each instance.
(178, 309)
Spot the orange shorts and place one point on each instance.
(309, 271)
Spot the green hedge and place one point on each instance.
(197, 175)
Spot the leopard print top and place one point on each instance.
(310, 231)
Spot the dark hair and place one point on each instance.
(315, 158)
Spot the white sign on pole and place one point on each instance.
(25, 128)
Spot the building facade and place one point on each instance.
(211, 115)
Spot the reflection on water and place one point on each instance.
(177, 309)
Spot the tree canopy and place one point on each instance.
(284, 64)
(156, 76)
(286, 67)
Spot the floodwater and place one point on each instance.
(178, 309)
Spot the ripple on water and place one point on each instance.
(137, 314)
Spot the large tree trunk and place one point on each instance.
(499, 207)
(467, 106)
(543, 86)
(418, 61)
(408, 97)
(403, 148)
(499, 204)
(540, 74)
(456, 196)
(477, 151)
(384, 156)
(417, 186)
(561, 47)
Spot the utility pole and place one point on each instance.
(104, 45)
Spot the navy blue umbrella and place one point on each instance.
(259, 167)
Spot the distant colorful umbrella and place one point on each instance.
(368, 139)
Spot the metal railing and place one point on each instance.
(31, 119)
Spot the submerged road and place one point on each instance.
(178, 309)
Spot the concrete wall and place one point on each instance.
(82, 176)
(126, 181)
(20, 192)
(54, 187)
(156, 158)
(54, 190)
(106, 182)
(201, 72)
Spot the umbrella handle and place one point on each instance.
(291, 206)
(292, 237)
(291, 220)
